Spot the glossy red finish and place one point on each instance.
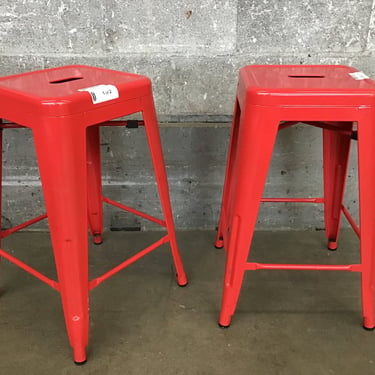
(271, 98)
(52, 92)
(294, 84)
(65, 125)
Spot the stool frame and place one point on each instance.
(65, 124)
(259, 113)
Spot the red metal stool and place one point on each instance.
(65, 107)
(270, 98)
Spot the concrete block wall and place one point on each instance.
(192, 51)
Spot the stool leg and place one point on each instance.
(153, 138)
(336, 147)
(256, 139)
(1, 182)
(228, 181)
(94, 184)
(366, 177)
(61, 154)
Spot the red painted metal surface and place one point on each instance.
(351, 221)
(65, 107)
(305, 267)
(134, 211)
(30, 270)
(272, 98)
(94, 283)
(7, 232)
(294, 200)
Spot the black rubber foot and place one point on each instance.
(368, 329)
(80, 363)
(219, 247)
(221, 326)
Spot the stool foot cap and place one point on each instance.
(181, 281)
(332, 245)
(219, 244)
(223, 326)
(368, 328)
(79, 355)
(80, 363)
(98, 239)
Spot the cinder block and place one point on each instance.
(19, 64)
(44, 27)
(94, 27)
(189, 28)
(286, 27)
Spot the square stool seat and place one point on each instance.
(278, 85)
(58, 92)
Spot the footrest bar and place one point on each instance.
(8, 232)
(315, 267)
(95, 282)
(30, 270)
(297, 200)
(135, 212)
(351, 220)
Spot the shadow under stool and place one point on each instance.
(65, 107)
(269, 98)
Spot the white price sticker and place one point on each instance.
(102, 93)
(358, 75)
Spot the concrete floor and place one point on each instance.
(287, 322)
